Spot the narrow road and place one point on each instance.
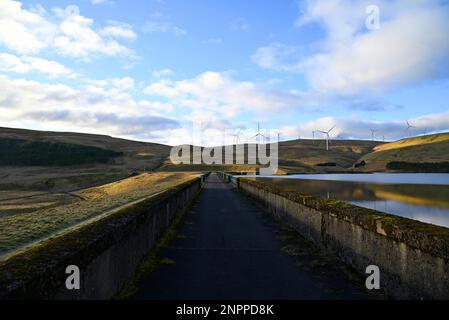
(228, 248)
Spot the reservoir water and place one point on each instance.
(422, 197)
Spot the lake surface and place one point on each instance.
(422, 197)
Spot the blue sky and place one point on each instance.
(150, 70)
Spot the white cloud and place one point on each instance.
(274, 57)
(78, 39)
(126, 83)
(32, 104)
(119, 30)
(163, 73)
(411, 46)
(25, 64)
(100, 2)
(24, 31)
(12, 63)
(30, 31)
(162, 23)
(220, 93)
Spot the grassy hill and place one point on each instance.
(423, 149)
(301, 156)
(114, 158)
(24, 222)
(104, 159)
(308, 155)
(135, 152)
(14, 152)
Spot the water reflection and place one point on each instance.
(426, 203)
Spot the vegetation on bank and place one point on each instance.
(18, 230)
(16, 152)
(422, 167)
(423, 149)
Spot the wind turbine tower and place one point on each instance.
(373, 134)
(259, 134)
(409, 126)
(237, 136)
(327, 133)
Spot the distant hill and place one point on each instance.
(17, 152)
(70, 160)
(136, 154)
(311, 155)
(303, 156)
(114, 158)
(427, 149)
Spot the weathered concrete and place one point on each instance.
(107, 252)
(413, 256)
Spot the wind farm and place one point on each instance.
(224, 158)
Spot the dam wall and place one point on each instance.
(106, 252)
(413, 257)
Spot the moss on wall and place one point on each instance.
(426, 237)
(40, 271)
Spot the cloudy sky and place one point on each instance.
(152, 69)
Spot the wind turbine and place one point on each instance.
(327, 136)
(267, 138)
(237, 136)
(373, 132)
(259, 134)
(409, 126)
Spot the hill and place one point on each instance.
(89, 159)
(311, 155)
(133, 150)
(113, 158)
(419, 152)
(301, 156)
(16, 152)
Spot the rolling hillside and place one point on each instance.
(424, 149)
(112, 158)
(104, 159)
(311, 155)
(302, 156)
(134, 151)
(16, 152)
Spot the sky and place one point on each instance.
(154, 70)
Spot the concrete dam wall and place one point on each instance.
(413, 257)
(107, 252)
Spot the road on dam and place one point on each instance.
(229, 248)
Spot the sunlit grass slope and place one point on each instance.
(21, 229)
(430, 149)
